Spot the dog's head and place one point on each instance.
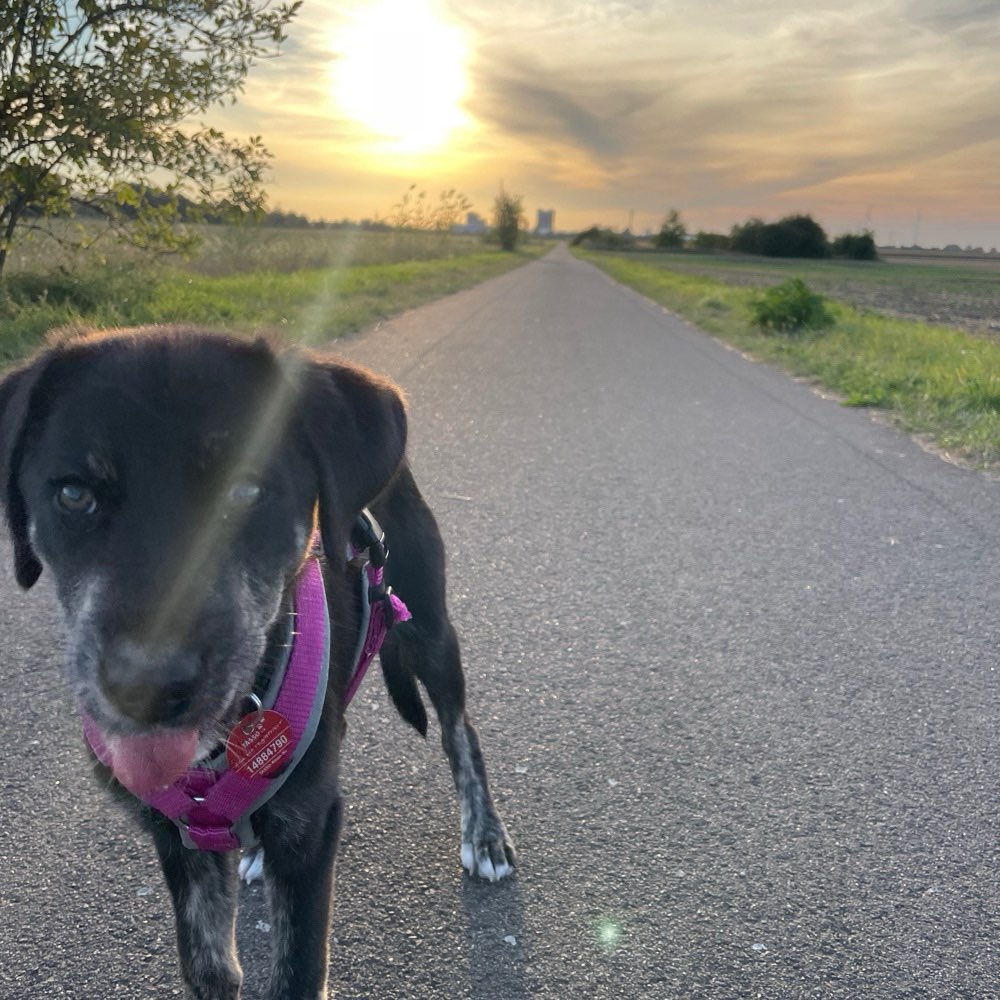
(170, 481)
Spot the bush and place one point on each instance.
(855, 246)
(790, 307)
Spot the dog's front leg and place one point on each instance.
(204, 886)
(298, 873)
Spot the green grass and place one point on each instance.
(933, 380)
(308, 286)
(961, 292)
(222, 250)
(315, 305)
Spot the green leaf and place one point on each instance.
(94, 95)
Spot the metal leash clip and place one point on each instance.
(257, 711)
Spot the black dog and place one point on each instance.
(175, 484)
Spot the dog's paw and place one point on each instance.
(252, 866)
(490, 857)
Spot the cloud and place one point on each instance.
(713, 105)
(948, 18)
(591, 115)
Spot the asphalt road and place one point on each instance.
(733, 653)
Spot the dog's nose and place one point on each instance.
(150, 686)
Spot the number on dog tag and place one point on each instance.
(260, 744)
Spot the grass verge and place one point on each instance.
(310, 305)
(931, 380)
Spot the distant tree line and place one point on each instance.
(856, 246)
(414, 211)
(799, 236)
(599, 238)
(793, 236)
(135, 199)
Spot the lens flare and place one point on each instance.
(608, 933)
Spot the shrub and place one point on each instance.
(790, 307)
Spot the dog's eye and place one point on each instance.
(244, 493)
(75, 498)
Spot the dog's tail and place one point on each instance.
(402, 683)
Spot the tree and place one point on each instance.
(596, 238)
(748, 237)
(508, 215)
(792, 236)
(98, 100)
(855, 246)
(710, 242)
(800, 236)
(672, 232)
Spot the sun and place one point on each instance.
(400, 73)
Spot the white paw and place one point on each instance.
(489, 862)
(252, 866)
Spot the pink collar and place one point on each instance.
(213, 802)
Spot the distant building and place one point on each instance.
(546, 221)
(474, 224)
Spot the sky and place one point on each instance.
(882, 114)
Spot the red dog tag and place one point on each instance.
(260, 744)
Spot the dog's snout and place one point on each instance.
(148, 685)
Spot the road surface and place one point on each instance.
(733, 653)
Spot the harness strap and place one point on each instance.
(213, 810)
(211, 804)
(380, 607)
(381, 610)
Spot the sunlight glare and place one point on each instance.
(400, 73)
(608, 933)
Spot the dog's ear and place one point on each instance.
(355, 424)
(16, 393)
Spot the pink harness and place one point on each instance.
(212, 803)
